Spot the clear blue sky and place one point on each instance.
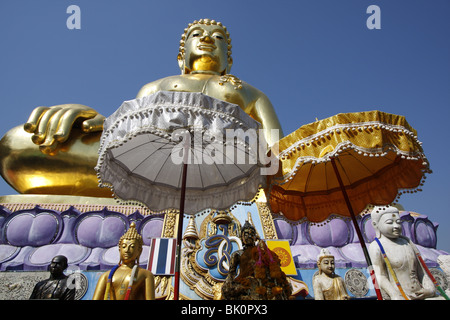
(312, 58)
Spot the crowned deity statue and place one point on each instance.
(127, 281)
(55, 151)
(328, 285)
(260, 276)
(398, 269)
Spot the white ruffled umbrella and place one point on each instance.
(180, 150)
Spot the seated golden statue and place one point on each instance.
(127, 281)
(55, 152)
(328, 285)
(260, 275)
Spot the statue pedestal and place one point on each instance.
(37, 227)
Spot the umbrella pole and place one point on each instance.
(358, 231)
(180, 234)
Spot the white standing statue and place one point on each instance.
(396, 260)
(444, 263)
(328, 285)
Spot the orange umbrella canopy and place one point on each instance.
(377, 155)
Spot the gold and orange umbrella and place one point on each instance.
(341, 164)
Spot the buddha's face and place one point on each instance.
(206, 49)
(326, 265)
(389, 225)
(129, 250)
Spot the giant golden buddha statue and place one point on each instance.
(55, 151)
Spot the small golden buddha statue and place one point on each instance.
(328, 285)
(55, 152)
(127, 281)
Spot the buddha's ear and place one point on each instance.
(230, 63)
(139, 255)
(375, 227)
(181, 63)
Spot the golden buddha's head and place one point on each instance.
(205, 47)
(130, 245)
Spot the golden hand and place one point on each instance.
(51, 126)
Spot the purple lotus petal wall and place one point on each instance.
(336, 233)
(35, 227)
(31, 238)
(339, 236)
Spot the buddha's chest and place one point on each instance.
(227, 88)
(400, 256)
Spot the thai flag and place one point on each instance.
(161, 259)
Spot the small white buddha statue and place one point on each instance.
(328, 285)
